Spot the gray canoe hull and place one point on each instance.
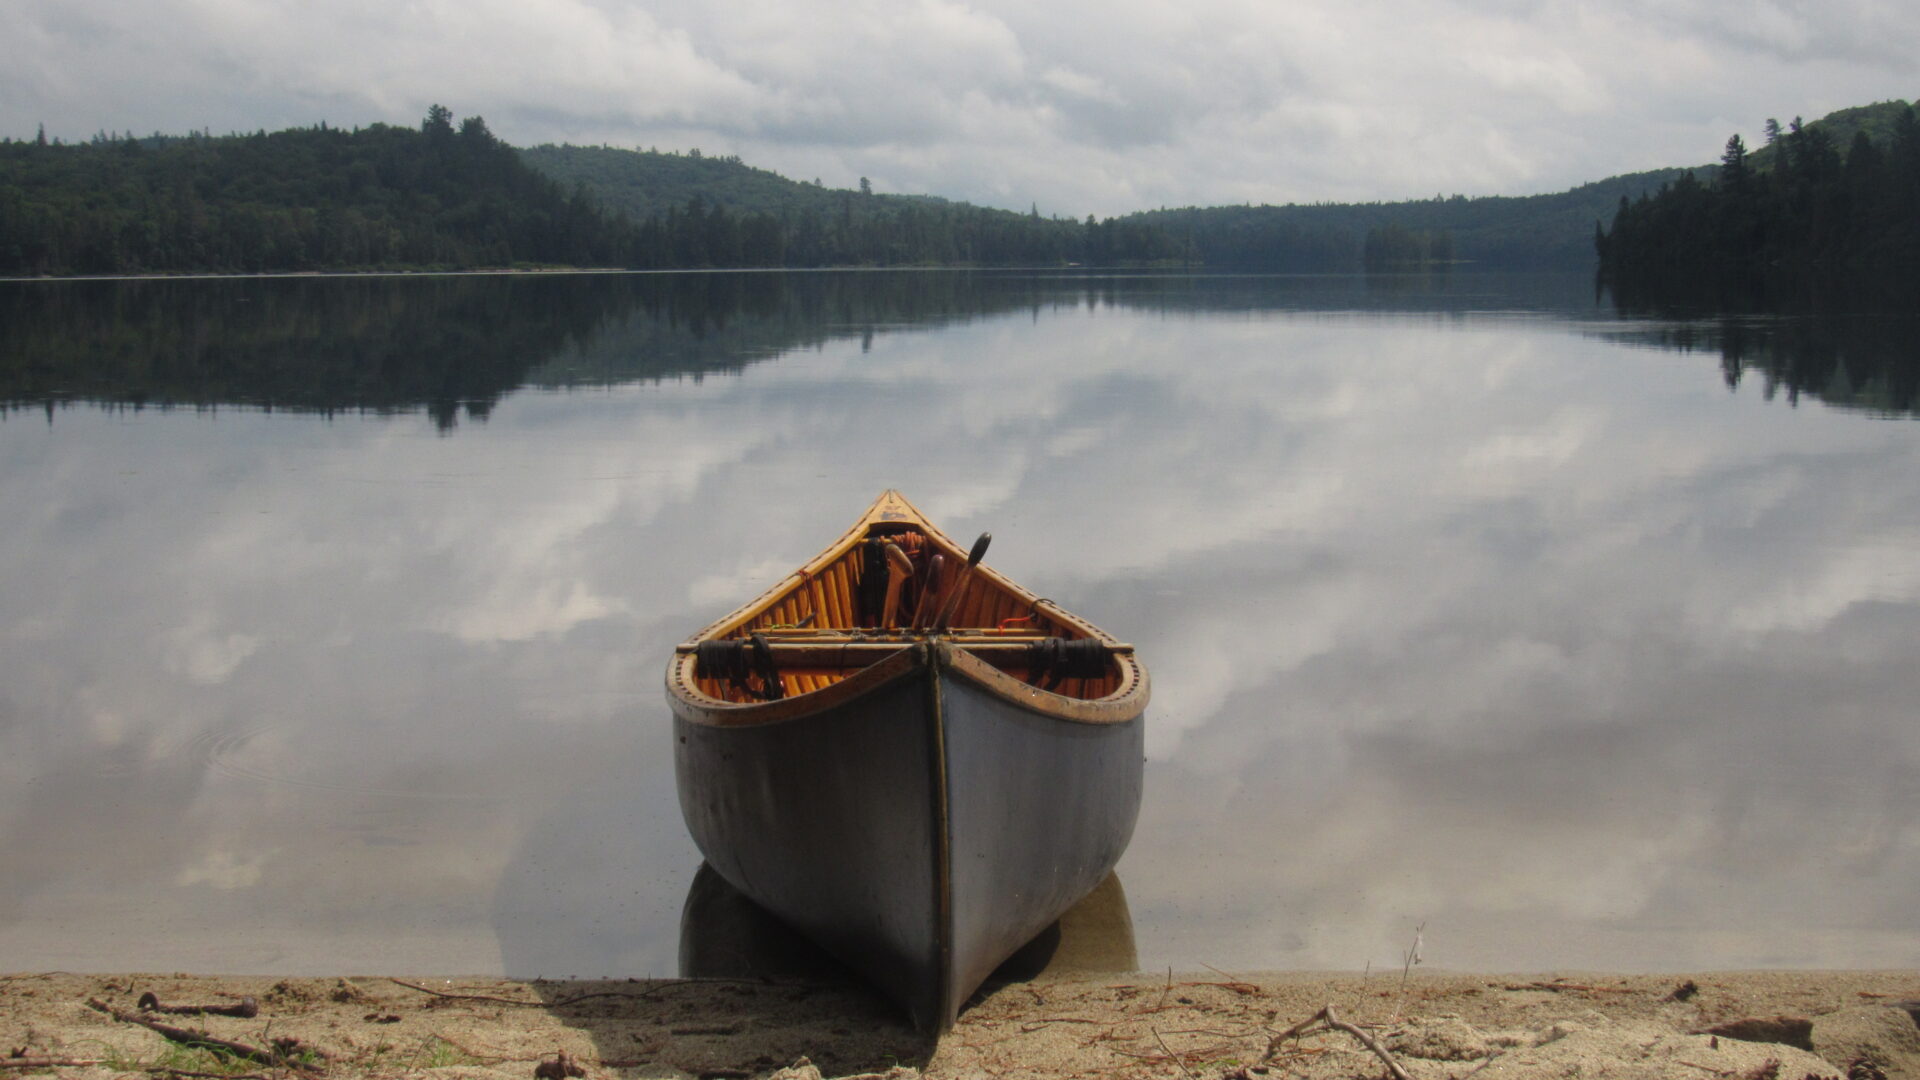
(920, 832)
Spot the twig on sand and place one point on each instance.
(469, 997)
(1238, 986)
(1413, 957)
(642, 996)
(24, 1062)
(1332, 1020)
(1175, 1058)
(1210, 1031)
(1558, 985)
(1036, 1025)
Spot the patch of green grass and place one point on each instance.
(176, 1058)
(438, 1053)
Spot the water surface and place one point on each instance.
(333, 613)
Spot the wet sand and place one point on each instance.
(1205, 1025)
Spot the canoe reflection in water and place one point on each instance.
(724, 935)
(909, 758)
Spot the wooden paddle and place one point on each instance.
(960, 580)
(899, 569)
(927, 589)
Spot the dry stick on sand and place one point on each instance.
(24, 1062)
(1329, 1018)
(469, 997)
(642, 996)
(1175, 1058)
(1556, 986)
(1413, 957)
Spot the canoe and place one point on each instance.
(914, 762)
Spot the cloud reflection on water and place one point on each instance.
(1553, 645)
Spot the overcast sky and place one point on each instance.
(1074, 105)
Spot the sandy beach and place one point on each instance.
(1208, 1025)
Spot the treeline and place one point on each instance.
(701, 210)
(318, 198)
(1796, 221)
(449, 196)
(826, 226)
(863, 229)
(1531, 232)
(455, 197)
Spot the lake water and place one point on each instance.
(334, 612)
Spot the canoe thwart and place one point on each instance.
(752, 666)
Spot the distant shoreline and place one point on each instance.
(561, 271)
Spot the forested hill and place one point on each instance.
(648, 183)
(318, 198)
(1879, 122)
(1805, 221)
(715, 211)
(1532, 232)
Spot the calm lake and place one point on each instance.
(334, 612)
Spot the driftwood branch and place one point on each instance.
(281, 1054)
(245, 1009)
(1328, 1018)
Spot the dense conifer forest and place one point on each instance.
(1801, 221)
(455, 197)
(701, 210)
(1533, 232)
(452, 196)
(304, 199)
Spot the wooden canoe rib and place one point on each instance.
(918, 803)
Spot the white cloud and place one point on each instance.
(222, 869)
(205, 657)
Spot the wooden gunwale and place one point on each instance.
(824, 651)
(702, 709)
(1125, 703)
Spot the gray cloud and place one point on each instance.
(1078, 106)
